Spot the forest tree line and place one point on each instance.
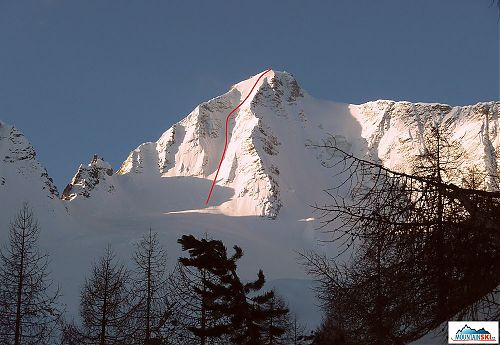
(202, 301)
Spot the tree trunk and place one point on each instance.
(17, 337)
(148, 299)
(102, 340)
(271, 324)
(379, 307)
(442, 306)
(203, 311)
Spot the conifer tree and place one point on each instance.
(243, 311)
(105, 303)
(296, 332)
(278, 328)
(29, 303)
(200, 275)
(149, 289)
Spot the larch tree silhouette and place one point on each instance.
(30, 310)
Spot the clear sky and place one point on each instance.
(94, 76)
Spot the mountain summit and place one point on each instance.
(268, 163)
(22, 177)
(271, 159)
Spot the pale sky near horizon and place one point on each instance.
(85, 77)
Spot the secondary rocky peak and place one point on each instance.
(19, 159)
(99, 164)
(18, 147)
(95, 175)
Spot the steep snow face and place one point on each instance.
(268, 162)
(193, 147)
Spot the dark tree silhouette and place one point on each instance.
(149, 288)
(420, 243)
(29, 307)
(242, 311)
(278, 328)
(105, 303)
(296, 333)
(329, 333)
(194, 321)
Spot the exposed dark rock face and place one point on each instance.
(88, 178)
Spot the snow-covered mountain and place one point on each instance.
(269, 161)
(266, 159)
(19, 165)
(23, 178)
(271, 174)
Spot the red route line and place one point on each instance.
(225, 144)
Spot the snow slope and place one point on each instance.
(270, 176)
